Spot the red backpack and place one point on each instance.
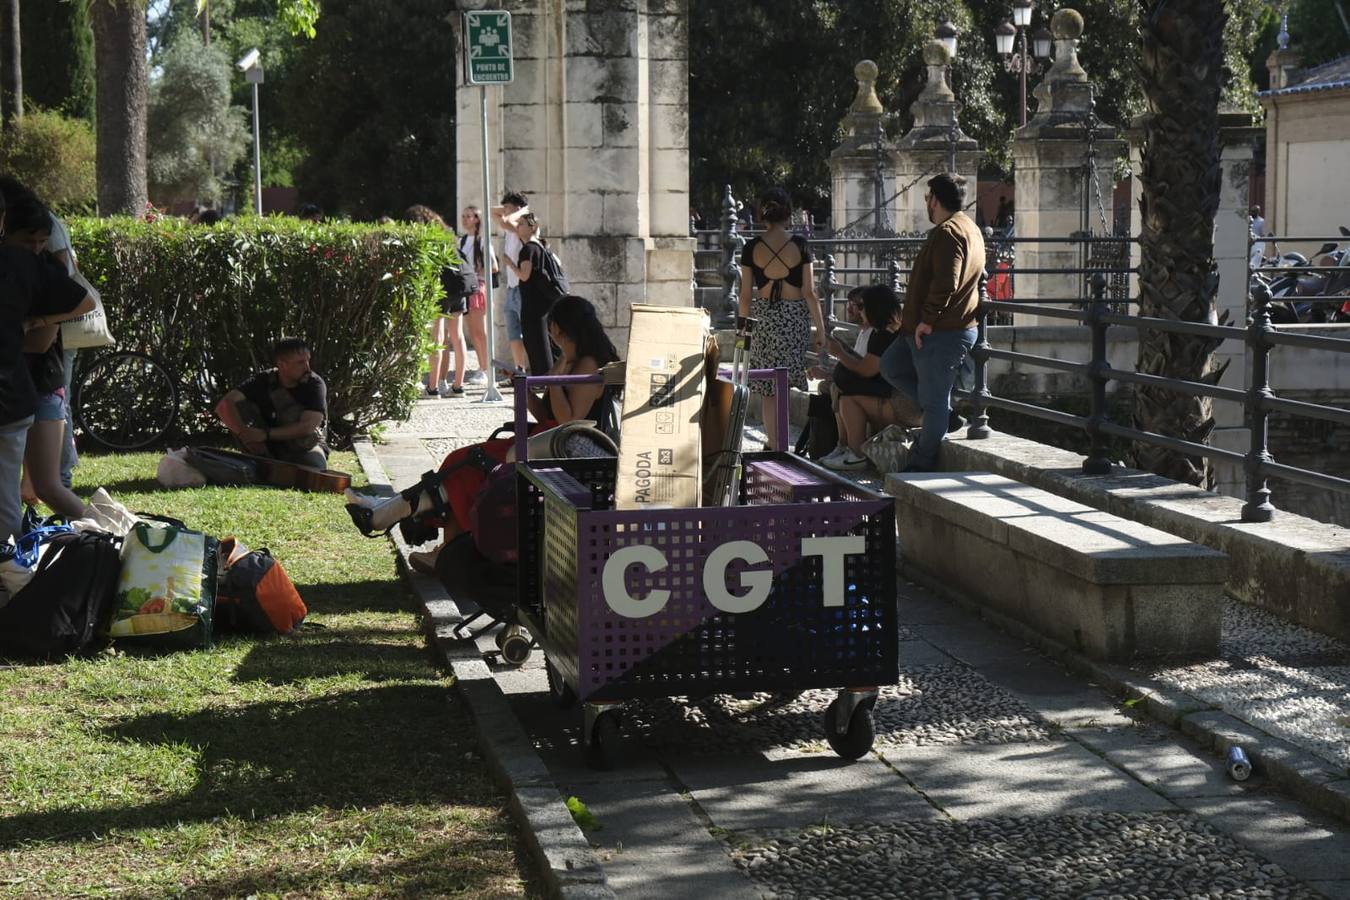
(253, 592)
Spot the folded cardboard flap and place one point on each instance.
(660, 456)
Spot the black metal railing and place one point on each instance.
(1258, 400)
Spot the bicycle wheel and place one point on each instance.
(124, 400)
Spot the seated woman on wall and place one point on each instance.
(445, 498)
(866, 401)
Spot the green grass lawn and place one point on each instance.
(335, 763)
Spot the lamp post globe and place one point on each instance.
(1042, 41)
(947, 33)
(1004, 35)
(1021, 13)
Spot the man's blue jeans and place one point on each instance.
(13, 438)
(926, 376)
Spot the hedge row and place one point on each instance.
(209, 301)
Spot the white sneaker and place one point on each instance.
(848, 462)
(477, 376)
(833, 456)
(444, 388)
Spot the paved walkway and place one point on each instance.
(996, 773)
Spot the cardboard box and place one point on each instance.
(660, 448)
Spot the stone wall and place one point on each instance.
(595, 130)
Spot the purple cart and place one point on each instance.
(793, 588)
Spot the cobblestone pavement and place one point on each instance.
(995, 773)
(1286, 680)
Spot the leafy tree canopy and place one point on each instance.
(194, 133)
(58, 56)
(799, 57)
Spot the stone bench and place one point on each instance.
(1108, 587)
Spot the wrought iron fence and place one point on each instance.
(848, 259)
(1258, 400)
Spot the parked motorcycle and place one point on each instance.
(1292, 276)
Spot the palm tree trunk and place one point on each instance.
(11, 72)
(1181, 64)
(121, 73)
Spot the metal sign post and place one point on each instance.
(487, 58)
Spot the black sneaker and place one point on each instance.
(954, 422)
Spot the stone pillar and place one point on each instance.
(1134, 136)
(595, 130)
(1231, 228)
(1050, 157)
(935, 144)
(862, 167)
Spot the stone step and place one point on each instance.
(1111, 588)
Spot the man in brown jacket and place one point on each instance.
(937, 324)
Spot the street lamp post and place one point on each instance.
(251, 66)
(1010, 31)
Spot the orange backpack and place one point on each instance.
(253, 592)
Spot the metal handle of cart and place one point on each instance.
(523, 383)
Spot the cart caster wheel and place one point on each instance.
(563, 695)
(603, 751)
(858, 738)
(516, 649)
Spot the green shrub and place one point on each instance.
(54, 156)
(210, 301)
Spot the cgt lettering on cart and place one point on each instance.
(756, 583)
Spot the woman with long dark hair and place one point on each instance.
(475, 317)
(778, 289)
(584, 349)
(866, 400)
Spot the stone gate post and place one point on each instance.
(935, 144)
(862, 167)
(595, 130)
(1049, 156)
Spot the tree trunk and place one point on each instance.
(121, 72)
(11, 68)
(1181, 60)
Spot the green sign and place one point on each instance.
(487, 38)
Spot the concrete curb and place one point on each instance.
(1304, 776)
(569, 867)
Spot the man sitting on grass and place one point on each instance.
(283, 412)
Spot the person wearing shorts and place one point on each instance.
(475, 316)
(507, 216)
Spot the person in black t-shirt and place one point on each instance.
(539, 289)
(28, 226)
(36, 295)
(283, 412)
(867, 400)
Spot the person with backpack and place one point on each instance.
(444, 327)
(542, 283)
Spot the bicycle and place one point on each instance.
(123, 399)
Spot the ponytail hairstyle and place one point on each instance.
(775, 206)
(576, 317)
